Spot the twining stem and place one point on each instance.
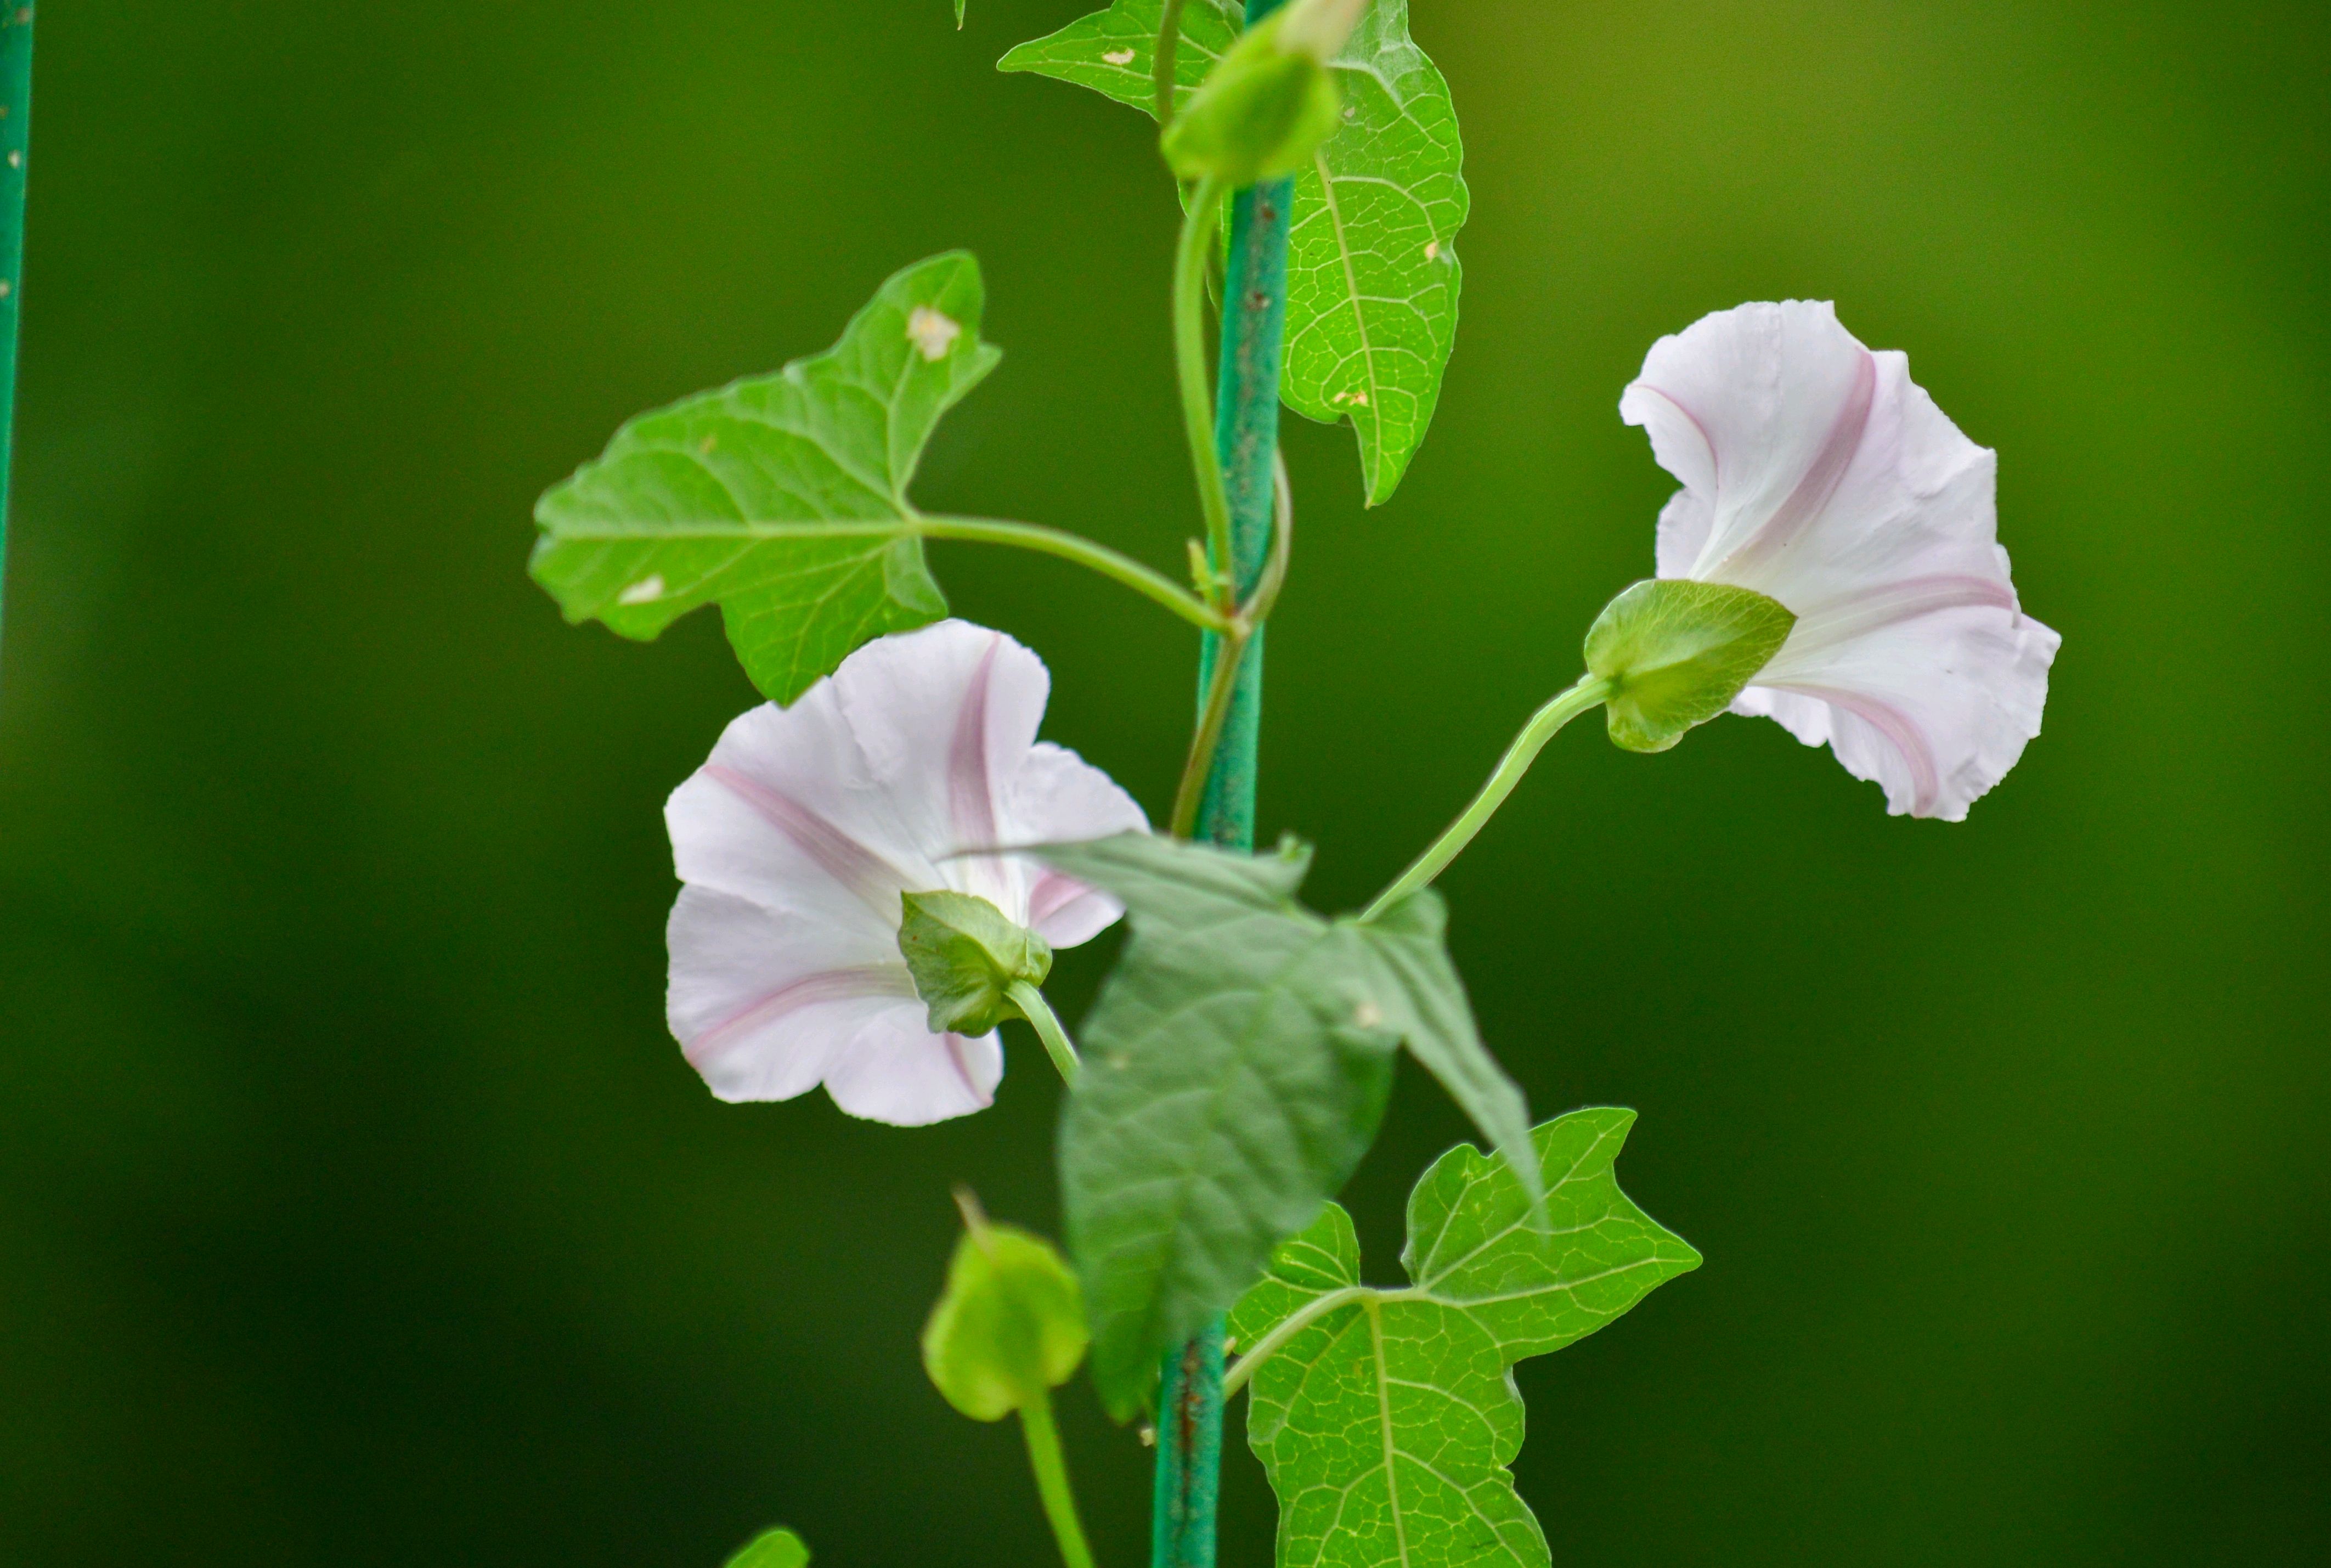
(1221, 685)
(1147, 581)
(1047, 1025)
(1051, 1471)
(1198, 225)
(1542, 727)
(1162, 71)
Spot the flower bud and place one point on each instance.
(965, 957)
(772, 1549)
(1270, 104)
(1675, 653)
(1011, 1326)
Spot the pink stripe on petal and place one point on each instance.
(1900, 730)
(969, 800)
(809, 991)
(1884, 604)
(849, 862)
(1821, 479)
(1051, 894)
(954, 1043)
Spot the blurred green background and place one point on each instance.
(355, 1208)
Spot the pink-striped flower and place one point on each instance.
(796, 840)
(1816, 473)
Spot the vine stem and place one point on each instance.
(1199, 221)
(1047, 1025)
(1244, 451)
(1052, 1469)
(16, 115)
(1544, 724)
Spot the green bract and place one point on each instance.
(1372, 274)
(1386, 1417)
(1676, 652)
(1236, 1066)
(966, 956)
(773, 1549)
(784, 498)
(1009, 1327)
(1262, 113)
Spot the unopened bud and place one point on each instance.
(1268, 106)
(1319, 28)
(1011, 1326)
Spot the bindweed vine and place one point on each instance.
(878, 864)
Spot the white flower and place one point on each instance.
(798, 838)
(1817, 474)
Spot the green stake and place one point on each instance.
(15, 116)
(1246, 440)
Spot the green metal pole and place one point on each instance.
(15, 118)
(1246, 438)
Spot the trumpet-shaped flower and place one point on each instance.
(798, 838)
(1816, 473)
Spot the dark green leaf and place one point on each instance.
(1373, 277)
(783, 499)
(1386, 1417)
(1676, 652)
(1236, 1065)
(1227, 1093)
(1423, 999)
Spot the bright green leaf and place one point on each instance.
(1373, 276)
(747, 496)
(1676, 652)
(1011, 1326)
(1236, 1066)
(1386, 1417)
(773, 1549)
(958, 14)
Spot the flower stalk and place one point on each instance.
(1543, 727)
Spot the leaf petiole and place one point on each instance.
(1144, 580)
(1047, 1025)
(1269, 1345)
(1543, 726)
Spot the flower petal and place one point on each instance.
(1059, 798)
(1935, 707)
(762, 1001)
(785, 815)
(895, 1069)
(944, 717)
(1817, 472)
(1758, 410)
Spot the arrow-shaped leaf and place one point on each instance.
(1386, 1417)
(1371, 272)
(770, 497)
